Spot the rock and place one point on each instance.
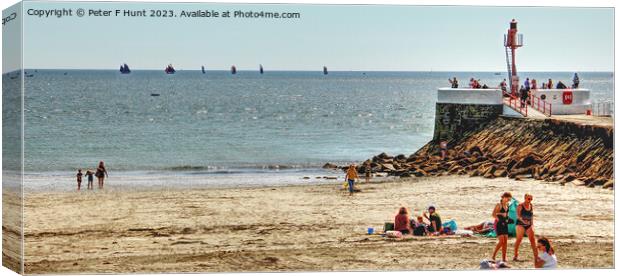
(330, 166)
(599, 182)
(306, 177)
(388, 167)
(405, 174)
(609, 184)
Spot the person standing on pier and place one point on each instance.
(454, 82)
(575, 81)
(526, 84)
(502, 85)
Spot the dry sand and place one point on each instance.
(300, 228)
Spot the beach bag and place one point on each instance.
(451, 224)
(345, 185)
(394, 234)
(388, 226)
(419, 230)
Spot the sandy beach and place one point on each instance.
(301, 228)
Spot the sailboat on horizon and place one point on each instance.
(260, 69)
(125, 69)
(324, 70)
(169, 69)
(203, 70)
(233, 70)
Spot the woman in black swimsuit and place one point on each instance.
(500, 213)
(101, 173)
(525, 225)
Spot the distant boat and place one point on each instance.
(169, 69)
(203, 70)
(497, 74)
(154, 94)
(125, 69)
(261, 68)
(324, 70)
(233, 70)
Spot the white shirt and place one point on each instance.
(550, 260)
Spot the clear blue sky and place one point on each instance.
(440, 38)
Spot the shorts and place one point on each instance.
(502, 229)
(351, 182)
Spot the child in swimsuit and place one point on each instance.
(90, 175)
(79, 178)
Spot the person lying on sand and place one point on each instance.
(490, 264)
(482, 228)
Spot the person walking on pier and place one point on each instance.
(502, 85)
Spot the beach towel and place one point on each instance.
(512, 214)
(393, 234)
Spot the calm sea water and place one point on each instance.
(232, 129)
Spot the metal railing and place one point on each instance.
(603, 108)
(516, 104)
(540, 105)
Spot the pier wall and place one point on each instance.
(578, 103)
(461, 110)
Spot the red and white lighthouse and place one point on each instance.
(512, 41)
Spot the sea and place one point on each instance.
(220, 130)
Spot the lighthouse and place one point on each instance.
(512, 41)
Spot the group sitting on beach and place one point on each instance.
(504, 215)
(101, 173)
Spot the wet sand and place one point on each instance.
(300, 228)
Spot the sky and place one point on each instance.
(341, 37)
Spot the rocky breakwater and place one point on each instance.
(549, 150)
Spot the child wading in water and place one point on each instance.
(90, 175)
(79, 178)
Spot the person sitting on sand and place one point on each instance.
(350, 177)
(419, 227)
(401, 221)
(89, 176)
(501, 228)
(434, 225)
(79, 178)
(482, 228)
(525, 225)
(546, 257)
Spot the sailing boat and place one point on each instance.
(260, 69)
(233, 70)
(324, 70)
(125, 69)
(169, 69)
(203, 70)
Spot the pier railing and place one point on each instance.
(516, 104)
(540, 105)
